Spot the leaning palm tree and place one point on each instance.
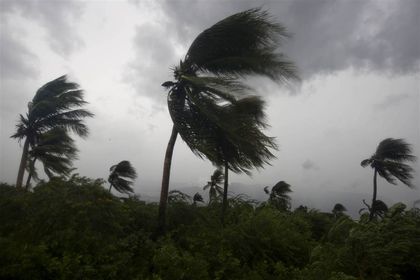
(279, 195)
(56, 151)
(56, 104)
(209, 79)
(389, 162)
(215, 190)
(122, 177)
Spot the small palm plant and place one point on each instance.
(122, 177)
(56, 104)
(214, 185)
(389, 161)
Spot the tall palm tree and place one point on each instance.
(122, 177)
(56, 104)
(279, 195)
(213, 185)
(56, 151)
(208, 80)
(389, 162)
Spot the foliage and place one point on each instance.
(214, 185)
(122, 176)
(279, 195)
(75, 229)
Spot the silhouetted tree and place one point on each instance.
(379, 209)
(122, 177)
(389, 162)
(197, 198)
(338, 209)
(56, 104)
(208, 80)
(279, 195)
(215, 190)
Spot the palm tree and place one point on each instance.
(389, 162)
(209, 80)
(279, 195)
(213, 185)
(197, 198)
(56, 104)
(56, 151)
(122, 177)
(379, 209)
(338, 209)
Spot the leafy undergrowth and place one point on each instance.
(75, 229)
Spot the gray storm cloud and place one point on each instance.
(329, 35)
(57, 17)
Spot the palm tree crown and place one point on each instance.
(56, 104)
(214, 185)
(279, 195)
(122, 177)
(388, 161)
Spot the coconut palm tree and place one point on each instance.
(279, 195)
(56, 104)
(208, 80)
(389, 162)
(379, 209)
(56, 151)
(338, 209)
(197, 198)
(122, 177)
(213, 185)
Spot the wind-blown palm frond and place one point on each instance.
(214, 185)
(389, 158)
(122, 177)
(56, 150)
(241, 44)
(279, 195)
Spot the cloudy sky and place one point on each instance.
(359, 62)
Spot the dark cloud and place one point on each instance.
(57, 17)
(154, 55)
(329, 35)
(309, 165)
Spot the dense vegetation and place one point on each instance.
(73, 227)
(76, 229)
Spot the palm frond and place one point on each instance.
(241, 44)
(122, 176)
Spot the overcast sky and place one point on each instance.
(359, 62)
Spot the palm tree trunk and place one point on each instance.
(22, 165)
(165, 181)
(225, 191)
(31, 172)
(110, 187)
(372, 207)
